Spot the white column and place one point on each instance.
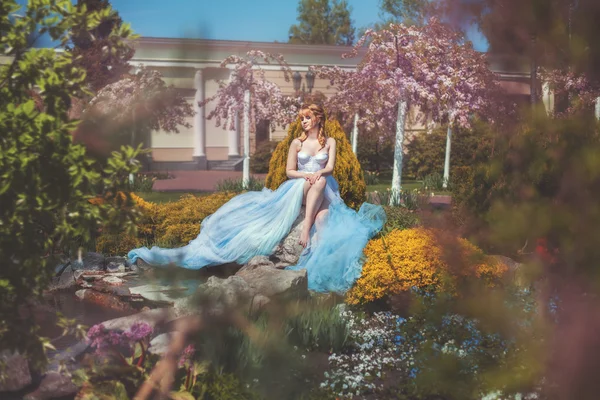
(199, 121)
(355, 133)
(598, 108)
(234, 138)
(246, 162)
(447, 158)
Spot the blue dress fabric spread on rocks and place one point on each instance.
(253, 224)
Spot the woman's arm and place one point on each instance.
(328, 170)
(291, 169)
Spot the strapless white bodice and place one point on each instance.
(308, 163)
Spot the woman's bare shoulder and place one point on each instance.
(297, 143)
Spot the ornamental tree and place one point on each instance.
(267, 102)
(247, 94)
(579, 92)
(137, 103)
(431, 67)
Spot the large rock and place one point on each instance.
(91, 262)
(105, 300)
(65, 279)
(288, 250)
(160, 343)
(153, 318)
(117, 264)
(17, 374)
(53, 386)
(263, 278)
(228, 292)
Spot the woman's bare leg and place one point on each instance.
(320, 218)
(314, 197)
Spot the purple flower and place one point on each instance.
(186, 355)
(138, 331)
(101, 338)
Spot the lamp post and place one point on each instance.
(297, 81)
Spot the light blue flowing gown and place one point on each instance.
(254, 223)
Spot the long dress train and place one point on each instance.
(254, 223)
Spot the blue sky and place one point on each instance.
(252, 20)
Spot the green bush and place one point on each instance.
(371, 178)
(426, 152)
(400, 218)
(259, 162)
(46, 179)
(347, 172)
(375, 151)
(434, 182)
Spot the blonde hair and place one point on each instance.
(315, 111)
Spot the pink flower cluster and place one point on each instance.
(267, 102)
(145, 97)
(430, 66)
(102, 339)
(580, 91)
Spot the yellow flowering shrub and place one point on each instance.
(413, 257)
(180, 220)
(173, 224)
(347, 171)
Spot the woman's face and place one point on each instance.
(308, 121)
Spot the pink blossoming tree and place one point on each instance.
(430, 66)
(580, 92)
(250, 95)
(137, 103)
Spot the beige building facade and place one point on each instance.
(193, 66)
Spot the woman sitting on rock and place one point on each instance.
(254, 223)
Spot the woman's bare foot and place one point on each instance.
(304, 237)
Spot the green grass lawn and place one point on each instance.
(382, 186)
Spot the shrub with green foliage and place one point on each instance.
(399, 218)
(375, 152)
(426, 152)
(259, 162)
(347, 172)
(45, 179)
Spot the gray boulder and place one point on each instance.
(90, 261)
(288, 250)
(117, 264)
(53, 386)
(154, 318)
(17, 375)
(263, 278)
(65, 280)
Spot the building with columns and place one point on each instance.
(193, 66)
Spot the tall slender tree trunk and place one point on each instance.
(246, 162)
(355, 134)
(447, 157)
(398, 154)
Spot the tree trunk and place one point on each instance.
(398, 154)
(246, 162)
(447, 158)
(355, 133)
